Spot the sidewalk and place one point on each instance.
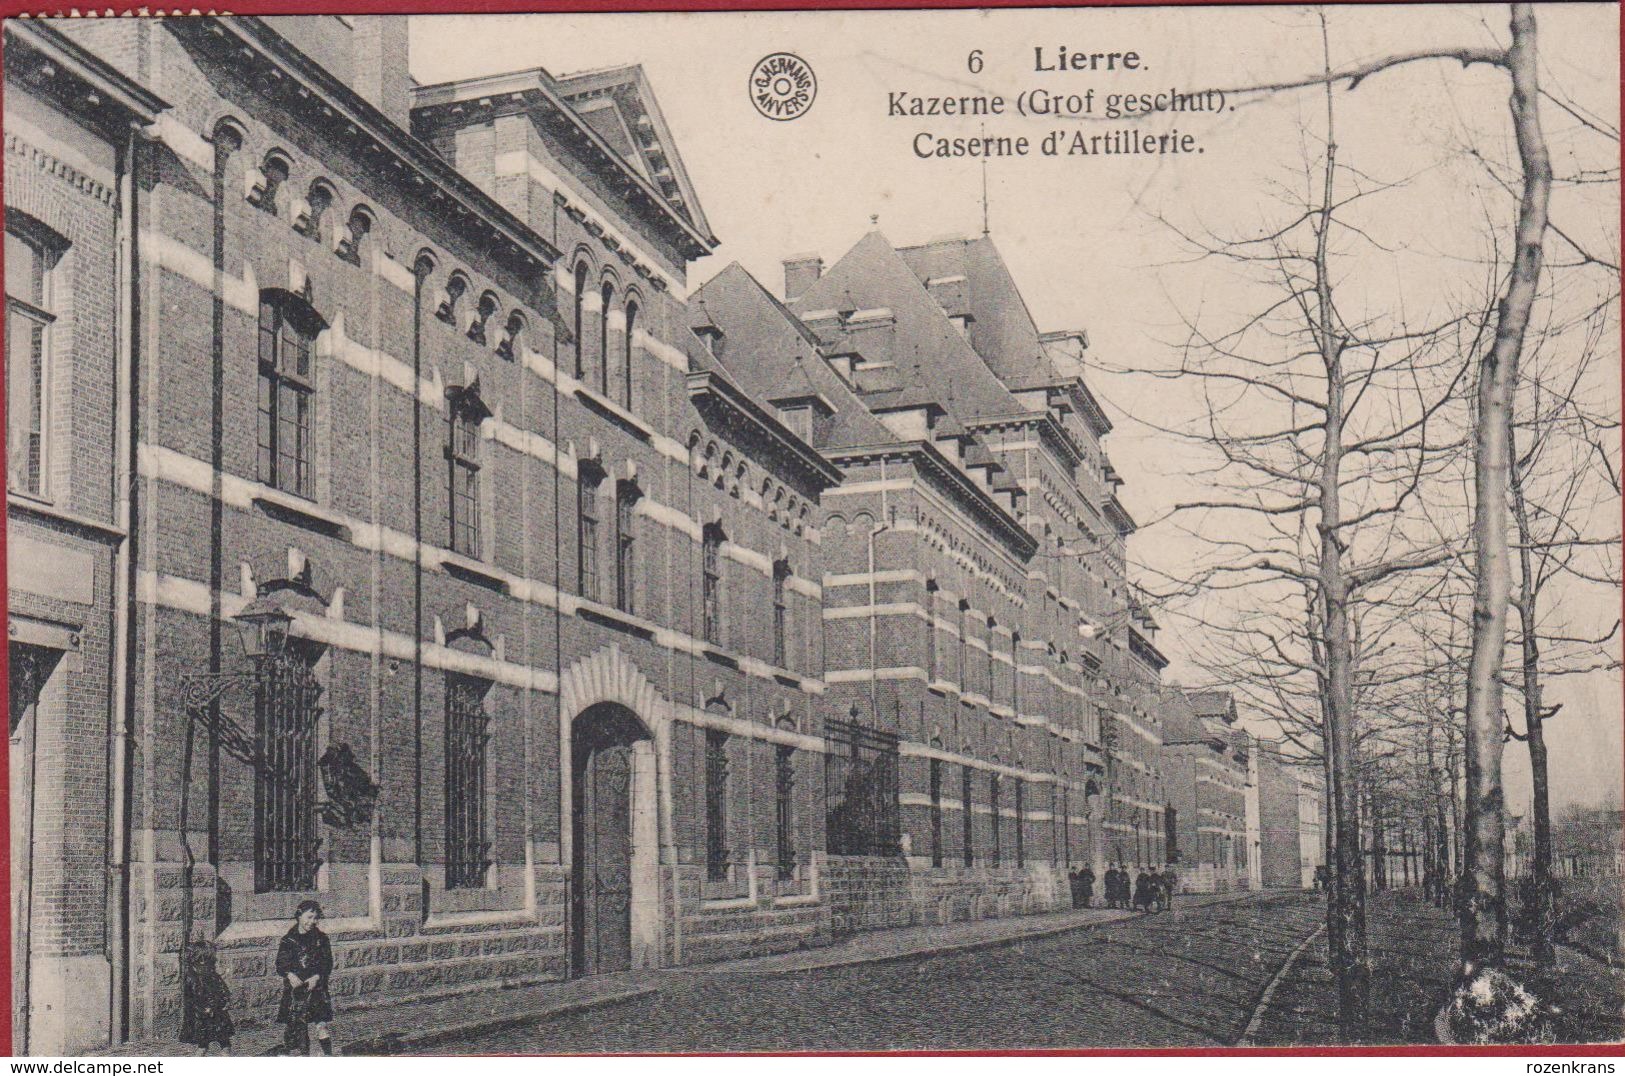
(388, 1029)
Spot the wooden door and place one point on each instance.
(605, 806)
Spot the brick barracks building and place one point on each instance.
(390, 527)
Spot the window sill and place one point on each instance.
(614, 618)
(33, 506)
(1029, 721)
(720, 657)
(615, 413)
(472, 571)
(289, 508)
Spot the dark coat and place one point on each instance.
(207, 1017)
(305, 955)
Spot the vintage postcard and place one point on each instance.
(738, 531)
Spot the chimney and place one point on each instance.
(800, 273)
(381, 69)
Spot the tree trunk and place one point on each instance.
(1483, 911)
(1542, 916)
(1348, 898)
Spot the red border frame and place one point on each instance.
(14, 8)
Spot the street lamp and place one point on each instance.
(263, 626)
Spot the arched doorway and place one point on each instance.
(614, 908)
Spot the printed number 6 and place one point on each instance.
(974, 61)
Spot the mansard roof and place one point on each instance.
(926, 350)
(767, 350)
(1002, 330)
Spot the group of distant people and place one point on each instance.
(1148, 891)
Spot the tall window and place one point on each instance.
(967, 819)
(626, 354)
(463, 475)
(936, 812)
(286, 705)
(1015, 673)
(781, 573)
(287, 393)
(930, 631)
(626, 546)
(711, 584)
(784, 797)
(992, 676)
(716, 805)
(28, 323)
(608, 296)
(587, 483)
(993, 802)
(964, 663)
(1021, 822)
(467, 851)
(580, 321)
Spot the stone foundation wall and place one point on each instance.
(403, 956)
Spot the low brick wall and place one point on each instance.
(869, 893)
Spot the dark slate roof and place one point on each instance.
(767, 350)
(1179, 721)
(927, 350)
(1003, 331)
(1216, 704)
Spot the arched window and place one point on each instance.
(607, 295)
(450, 296)
(513, 335)
(626, 354)
(580, 301)
(273, 173)
(711, 584)
(356, 230)
(317, 202)
(287, 391)
(483, 313)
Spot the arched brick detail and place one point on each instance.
(609, 676)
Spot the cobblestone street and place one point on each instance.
(1190, 977)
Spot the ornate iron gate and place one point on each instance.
(860, 790)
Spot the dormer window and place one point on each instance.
(798, 419)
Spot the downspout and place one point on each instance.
(874, 620)
(120, 722)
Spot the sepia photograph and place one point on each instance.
(757, 531)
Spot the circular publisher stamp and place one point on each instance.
(782, 86)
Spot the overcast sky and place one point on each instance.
(1082, 234)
